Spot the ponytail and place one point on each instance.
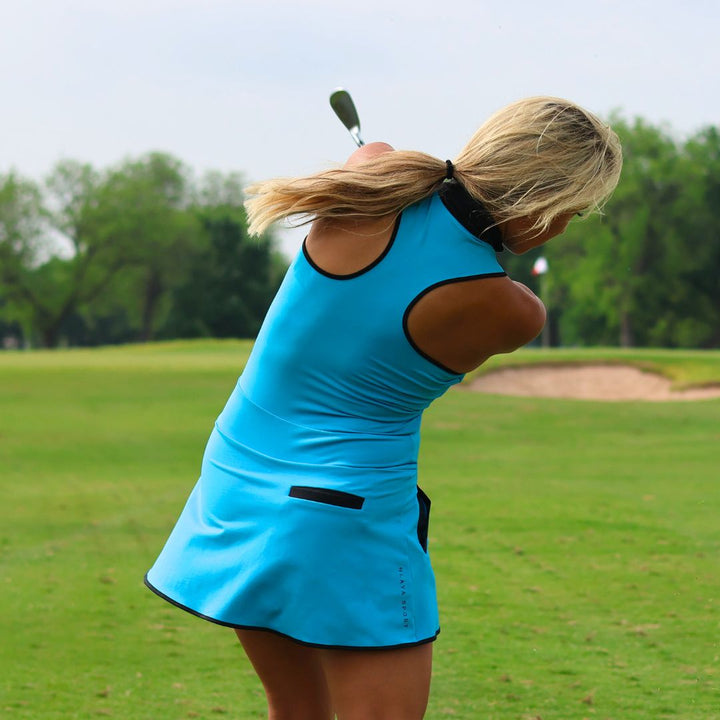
(383, 185)
(536, 158)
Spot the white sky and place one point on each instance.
(243, 85)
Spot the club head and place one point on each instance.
(344, 108)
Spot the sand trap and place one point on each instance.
(586, 382)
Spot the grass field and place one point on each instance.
(576, 544)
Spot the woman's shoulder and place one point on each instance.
(461, 324)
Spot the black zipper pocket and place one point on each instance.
(327, 496)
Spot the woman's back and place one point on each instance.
(336, 352)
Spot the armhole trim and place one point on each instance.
(420, 296)
(357, 273)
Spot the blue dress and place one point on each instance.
(306, 519)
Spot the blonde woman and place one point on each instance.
(306, 531)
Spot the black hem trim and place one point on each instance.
(357, 273)
(421, 295)
(284, 635)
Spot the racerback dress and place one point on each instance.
(306, 519)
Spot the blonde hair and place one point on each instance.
(539, 158)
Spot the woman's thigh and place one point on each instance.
(304, 683)
(292, 675)
(391, 684)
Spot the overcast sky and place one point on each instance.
(243, 85)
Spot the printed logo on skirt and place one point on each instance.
(403, 597)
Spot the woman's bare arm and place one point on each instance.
(462, 324)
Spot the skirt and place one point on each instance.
(327, 553)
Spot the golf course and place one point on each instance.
(576, 543)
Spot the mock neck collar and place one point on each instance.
(470, 213)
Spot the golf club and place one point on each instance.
(344, 108)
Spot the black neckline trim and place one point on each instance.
(470, 213)
(362, 271)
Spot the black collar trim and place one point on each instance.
(470, 213)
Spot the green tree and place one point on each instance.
(147, 202)
(42, 289)
(234, 276)
(696, 292)
(22, 218)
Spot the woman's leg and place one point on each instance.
(389, 684)
(304, 683)
(292, 675)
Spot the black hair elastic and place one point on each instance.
(449, 170)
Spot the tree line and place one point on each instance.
(134, 252)
(142, 250)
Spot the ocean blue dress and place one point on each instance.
(306, 519)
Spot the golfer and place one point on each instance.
(306, 531)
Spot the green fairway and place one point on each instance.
(576, 544)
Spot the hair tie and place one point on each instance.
(449, 170)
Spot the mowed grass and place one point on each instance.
(576, 544)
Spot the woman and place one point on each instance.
(306, 532)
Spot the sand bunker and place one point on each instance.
(586, 382)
